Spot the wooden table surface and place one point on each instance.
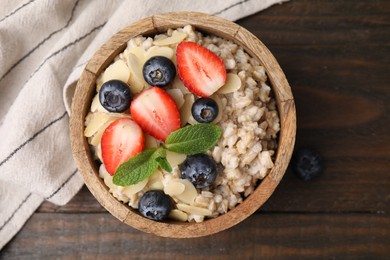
(336, 55)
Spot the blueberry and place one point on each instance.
(155, 204)
(307, 164)
(115, 96)
(204, 110)
(159, 71)
(200, 169)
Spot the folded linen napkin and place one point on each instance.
(44, 46)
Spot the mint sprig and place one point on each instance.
(193, 139)
(138, 168)
(188, 140)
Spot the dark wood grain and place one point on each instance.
(328, 236)
(336, 55)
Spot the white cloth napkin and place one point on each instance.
(44, 46)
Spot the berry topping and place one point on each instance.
(159, 71)
(155, 204)
(200, 169)
(115, 96)
(204, 110)
(307, 164)
(156, 112)
(121, 140)
(201, 71)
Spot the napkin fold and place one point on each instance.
(44, 46)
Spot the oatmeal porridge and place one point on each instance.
(242, 108)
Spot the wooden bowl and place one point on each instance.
(157, 24)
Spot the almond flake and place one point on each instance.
(178, 84)
(220, 108)
(156, 185)
(233, 83)
(140, 53)
(185, 110)
(192, 121)
(133, 189)
(189, 194)
(95, 140)
(174, 188)
(150, 141)
(177, 96)
(96, 106)
(97, 120)
(118, 70)
(159, 51)
(175, 159)
(178, 215)
(194, 210)
(174, 39)
(136, 81)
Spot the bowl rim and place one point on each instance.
(205, 23)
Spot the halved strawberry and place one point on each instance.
(156, 112)
(201, 71)
(121, 140)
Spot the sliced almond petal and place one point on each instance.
(156, 185)
(189, 194)
(175, 159)
(177, 95)
(133, 189)
(233, 83)
(102, 171)
(185, 110)
(178, 215)
(117, 70)
(99, 152)
(96, 106)
(159, 51)
(108, 181)
(150, 142)
(140, 53)
(192, 121)
(194, 210)
(136, 81)
(157, 175)
(177, 83)
(99, 82)
(174, 188)
(218, 100)
(97, 120)
(95, 140)
(174, 39)
(156, 181)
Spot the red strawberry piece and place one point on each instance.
(156, 112)
(121, 140)
(201, 71)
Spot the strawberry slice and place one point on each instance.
(121, 140)
(201, 71)
(156, 112)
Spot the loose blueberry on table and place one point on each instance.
(307, 164)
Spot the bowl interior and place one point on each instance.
(209, 25)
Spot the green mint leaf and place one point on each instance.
(164, 164)
(159, 153)
(193, 139)
(137, 168)
(160, 156)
